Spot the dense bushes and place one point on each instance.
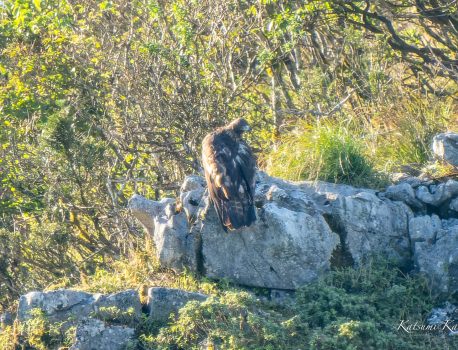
(350, 309)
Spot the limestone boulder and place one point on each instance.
(445, 147)
(164, 302)
(93, 334)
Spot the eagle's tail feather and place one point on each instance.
(237, 213)
(219, 208)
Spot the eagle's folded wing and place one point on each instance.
(229, 171)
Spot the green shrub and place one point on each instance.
(233, 321)
(42, 334)
(349, 309)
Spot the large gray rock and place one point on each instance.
(445, 147)
(284, 250)
(289, 245)
(163, 302)
(367, 222)
(438, 258)
(176, 247)
(70, 306)
(371, 225)
(93, 334)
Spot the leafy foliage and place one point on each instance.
(42, 334)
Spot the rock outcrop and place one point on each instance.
(103, 322)
(164, 302)
(94, 334)
(436, 255)
(290, 244)
(72, 306)
(305, 228)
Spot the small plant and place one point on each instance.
(42, 334)
(9, 337)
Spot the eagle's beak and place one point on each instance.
(246, 128)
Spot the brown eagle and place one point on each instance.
(230, 169)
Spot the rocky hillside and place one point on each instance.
(304, 232)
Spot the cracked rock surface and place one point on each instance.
(305, 228)
(70, 306)
(93, 334)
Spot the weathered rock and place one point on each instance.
(127, 302)
(191, 193)
(176, 247)
(436, 195)
(70, 306)
(6, 319)
(289, 245)
(424, 228)
(58, 305)
(145, 210)
(162, 302)
(404, 192)
(367, 222)
(440, 315)
(438, 259)
(454, 205)
(445, 147)
(370, 225)
(92, 334)
(285, 249)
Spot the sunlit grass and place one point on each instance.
(324, 151)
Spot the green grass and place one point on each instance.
(323, 151)
(402, 133)
(362, 147)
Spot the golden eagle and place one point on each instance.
(230, 169)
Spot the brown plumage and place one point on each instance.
(230, 169)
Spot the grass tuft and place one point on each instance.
(324, 151)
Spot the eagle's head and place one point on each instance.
(239, 126)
